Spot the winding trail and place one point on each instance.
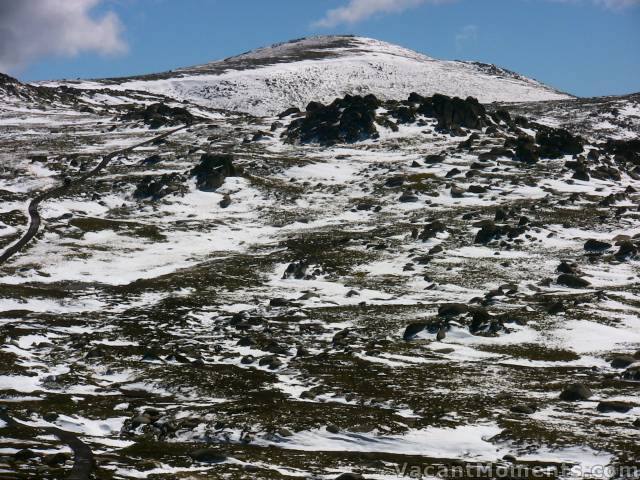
(34, 215)
(83, 460)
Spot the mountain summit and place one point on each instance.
(268, 80)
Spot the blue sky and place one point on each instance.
(585, 47)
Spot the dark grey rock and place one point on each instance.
(622, 361)
(525, 409)
(592, 245)
(572, 281)
(452, 309)
(607, 406)
(207, 455)
(576, 392)
(331, 428)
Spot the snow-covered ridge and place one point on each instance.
(268, 80)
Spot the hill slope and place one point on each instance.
(269, 80)
(352, 291)
(224, 297)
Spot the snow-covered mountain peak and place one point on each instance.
(268, 80)
(311, 48)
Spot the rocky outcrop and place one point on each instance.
(159, 115)
(557, 142)
(624, 150)
(345, 120)
(526, 151)
(451, 113)
(354, 118)
(490, 231)
(155, 188)
(212, 170)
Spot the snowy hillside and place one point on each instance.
(350, 291)
(269, 80)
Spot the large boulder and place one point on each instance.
(404, 114)
(580, 169)
(572, 281)
(490, 231)
(593, 245)
(557, 142)
(413, 329)
(623, 361)
(576, 392)
(431, 230)
(624, 150)
(299, 271)
(451, 113)
(448, 310)
(632, 373)
(607, 406)
(502, 116)
(482, 323)
(627, 249)
(526, 151)
(212, 170)
(207, 455)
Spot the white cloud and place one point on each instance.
(33, 29)
(466, 34)
(358, 10)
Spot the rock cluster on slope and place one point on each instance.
(212, 170)
(159, 115)
(354, 118)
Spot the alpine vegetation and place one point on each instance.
(330, 258)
